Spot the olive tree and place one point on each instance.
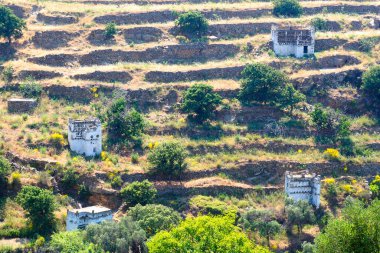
(11, 26)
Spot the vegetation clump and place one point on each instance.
(287, 8)
(110, 31)
(192, 24)
(11, 26)
(371, 87)
(142, 192)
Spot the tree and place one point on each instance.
(67, 242)
(10, 25)
(29, 88)
(39, 205)
(371, 86)
(69, 179)
(290, 97)
(110, 30)
(154, 218)
(5, 168)
(375, 187)
(299, 213)
(139, 193)
(356, 231)
(168, 159)
(124, 125)
(261, 83)
(118, 237)
(261, 221)
(200, 101)
(192, 23)
(287, 8)
(320, 24)
(204, 234)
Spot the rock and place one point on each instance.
(38, 74)
(21, 105)
(56, 20)
(106, 76)
(142, 34)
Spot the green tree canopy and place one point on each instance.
(11, 26)
(204, 234)
(142, 192)
(192, 23)
(39, 205)
(5, 168)
(299, 213)
(124, 125)
(290, 97)
(168, 159)
(200, 101)
(67, 242)
(118, 237)
(154, 218)
(356, 231)
(371, 86)
(261, 83)
(287, 8)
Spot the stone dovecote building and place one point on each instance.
(85, 136)
(303, 186)
(295, 41)
(80, 218)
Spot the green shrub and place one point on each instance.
(8, 74)
(287, 8)
(11, 26)
(192, 23)
(135, 158)
(110, 31)
(116, 182)
(5, 168)
(167, 159)
(367, 44)
(154, 218)
(319, 24)
(29, 88)
(200, 102)
(139, 193)
(261, 83)
(371, 87)
(84, 192)
(69, 179)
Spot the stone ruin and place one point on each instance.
(85, 136)
(303, 186)
(293, 40)
(21, 105)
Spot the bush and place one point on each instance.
(371, 86)
(375, 187)
(5, 168)
(319, 24)
(200, 101)
(67, 242)
(261, 83)
(11, 26)
(84, 192)
(331, 154)
(192, 23)
(116, 182)
(135, 158)
(16, 179)
(367, 44)
(139, 193)
(69, 179)
(154, 218)
(40, 206)
(167, 159)
(110, 30)
(57, 140)
(290, 97)
(30, 88)
(118, 237)
(8, 74)
(287, 8)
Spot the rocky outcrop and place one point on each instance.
(171, 53)
(52, 39)
(55, 60)
(56, 19)
(106, 76)
(38, 74)
(142, 34)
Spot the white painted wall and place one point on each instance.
(82, 219)
(307, 188)
(89, 145)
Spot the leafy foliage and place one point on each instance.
(154, 218)
(39, 205)
(8, 74)
(69, 178)
(29, 88)
(110, 30)
(204, 234)
(67, 242)
(124, 125)
(142, 192)
(287, 8)
(371, 86)
(261, 83)
(5, 168)
(192, 23)
(358, 230)
(290, 97)
(375, 187)
(168, 159)
(11, 26)
(200, 101)
(120, 237)
(299, 213)
(319, 24)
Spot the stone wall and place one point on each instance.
(142, 34)
(56, 19)
(19, 105)
(108, 76)
(55, 60)
(97, 37)
(53, 39)
(38, 74)
(327, 44)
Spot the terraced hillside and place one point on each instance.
(65, 50)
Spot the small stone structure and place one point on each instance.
(21, 105)
(80, 218)
(85, 136)
(303, 186)
(293, 40)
